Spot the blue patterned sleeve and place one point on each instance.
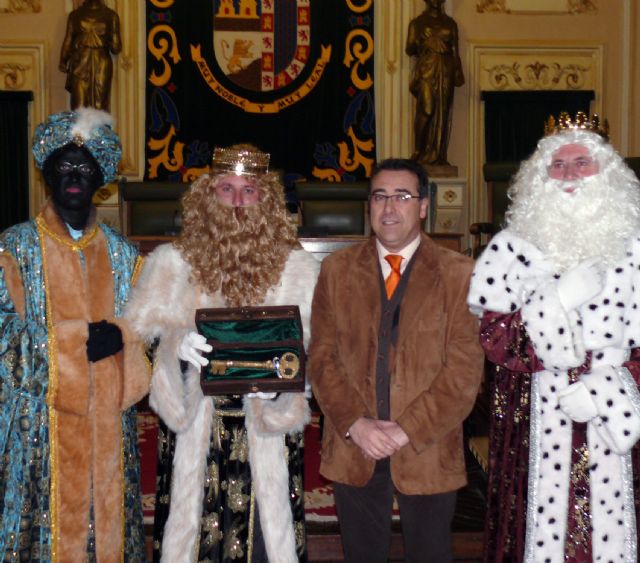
(23, 364)
(10, 327)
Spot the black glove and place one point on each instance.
(105, 339)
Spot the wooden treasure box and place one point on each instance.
(254, 349)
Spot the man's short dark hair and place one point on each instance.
(408, 165)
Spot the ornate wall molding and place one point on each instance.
(13, 75)
(519, 67)
(491, 6)
(22, 68)
(538, 75)
(20, 6)
(536, 7)
(583, 7)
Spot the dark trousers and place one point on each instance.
(364, 514)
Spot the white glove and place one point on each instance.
(579, 284)
(191, 346)
(262, 395)
(575, 401)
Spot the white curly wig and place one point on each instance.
(594, 221)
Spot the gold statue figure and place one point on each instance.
(433, 40)
(93, 34)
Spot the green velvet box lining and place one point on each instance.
(251, 330)
(253, 340)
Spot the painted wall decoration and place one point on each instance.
(538, 6)
(294, 77)
(20, 6)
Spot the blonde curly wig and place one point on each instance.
(240, 251)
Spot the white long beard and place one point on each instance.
(594, 221)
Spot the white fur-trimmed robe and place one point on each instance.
(163, 306)
(513, 275)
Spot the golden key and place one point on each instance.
(286, 367)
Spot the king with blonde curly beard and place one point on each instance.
(230, 473)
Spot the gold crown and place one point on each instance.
(240, 160)
(581, 122)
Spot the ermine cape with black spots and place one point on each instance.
(572, 483)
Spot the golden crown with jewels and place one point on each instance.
(581, 122)
(243, 160)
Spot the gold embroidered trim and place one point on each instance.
(136, 270)
(74, 245)
(51, 395)
(122, 507)
(251, 524)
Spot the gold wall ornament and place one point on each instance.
(450, 196)
(538, 76)
(533, 7)
(491, 6)
(159, 46)
(583, 7)
(358, 50)
(14, 75)
(21, 6)
(537, 71)
(574, 75)
(162, 4)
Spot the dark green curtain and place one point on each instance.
(14, 157)
(514, 121)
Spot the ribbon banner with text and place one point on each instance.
(294, 77)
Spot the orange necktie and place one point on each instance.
(393, 279)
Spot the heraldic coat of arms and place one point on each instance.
(262, 45)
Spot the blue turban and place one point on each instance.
(86, 127)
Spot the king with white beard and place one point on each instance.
(558, 293)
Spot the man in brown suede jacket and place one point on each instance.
(395, 365)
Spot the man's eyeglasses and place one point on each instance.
(83, 169)
(395, 198)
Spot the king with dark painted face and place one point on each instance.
(69, 364)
